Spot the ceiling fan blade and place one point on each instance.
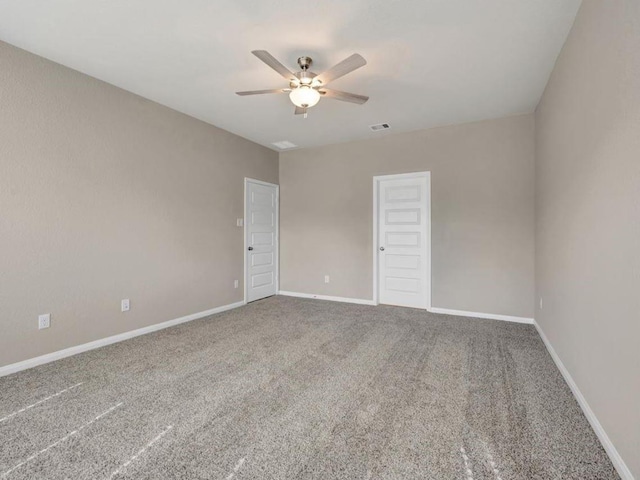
(270, 60)
(348, 65)
(300, 111)
(260, 92)
(344, 96)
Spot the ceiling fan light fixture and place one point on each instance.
(304, 85)
(304, 96)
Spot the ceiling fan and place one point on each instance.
(307, 88)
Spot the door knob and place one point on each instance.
(382, 249)
(250, 248)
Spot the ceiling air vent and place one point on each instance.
(380, 126)
(284, 144)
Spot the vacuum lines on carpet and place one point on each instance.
(290, 388)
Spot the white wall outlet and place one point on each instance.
(124, 305)
(540, 303)
(44, 321)
(240, 222)
(326, 279)
(235, 284)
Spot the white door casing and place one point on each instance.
(261, 225)
(402, 240)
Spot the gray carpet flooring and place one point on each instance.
(288, 388)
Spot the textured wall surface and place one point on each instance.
(482, 211)
(588, 215)
(105, 196)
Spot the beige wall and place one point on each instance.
(104, 196)
(482, 213)
(588, 215)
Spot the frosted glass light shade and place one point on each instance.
(304, 96)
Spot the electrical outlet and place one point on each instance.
(240, 222)
(44, 321)
(235, 284)
(124, 305)
(540, 303)
(326, 279)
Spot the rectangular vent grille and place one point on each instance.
(284, 144)
(380, 126)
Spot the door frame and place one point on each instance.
(376, 192)
(248, 180)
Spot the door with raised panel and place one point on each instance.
(261, 239)
(403, 243)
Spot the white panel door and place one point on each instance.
(261, 229)
(403, 241)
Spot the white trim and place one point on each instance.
(67, 352)
(359, 301)
(376, 189)
(375, 240)
(490, 316)
(400, 176)
(615, 457)
(244, 234)
(445, 311)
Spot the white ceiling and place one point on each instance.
(430, 62)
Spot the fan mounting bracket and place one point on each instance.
(305, 62)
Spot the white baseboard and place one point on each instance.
(490, 316)
(447, 311)
(67, 352)
(359, 301)
(615, 457)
